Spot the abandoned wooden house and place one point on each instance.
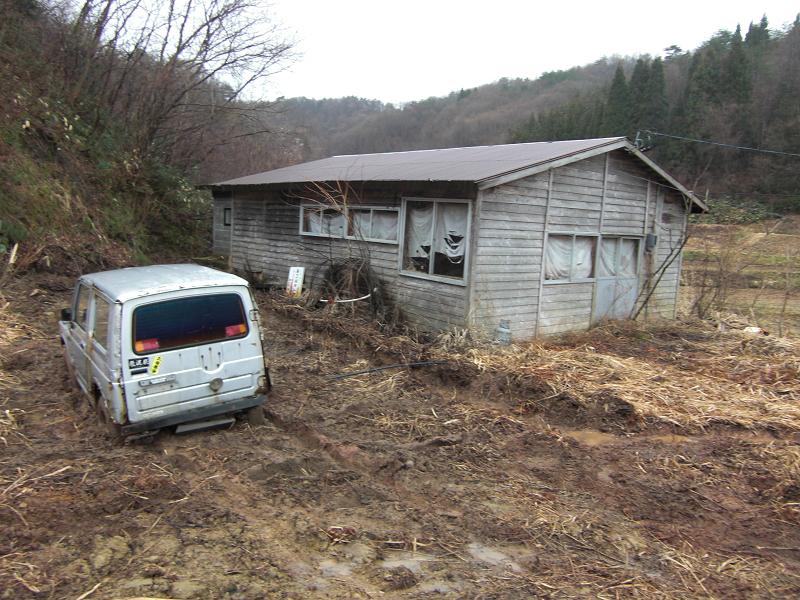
(548, 236)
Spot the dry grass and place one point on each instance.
(689, 375)
(734, 378)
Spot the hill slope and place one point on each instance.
(736, 88)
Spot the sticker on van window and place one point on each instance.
(138, 365)
(155, 366)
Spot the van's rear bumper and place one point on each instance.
(196, 414)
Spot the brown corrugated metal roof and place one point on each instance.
(486, 166)
(472, 164)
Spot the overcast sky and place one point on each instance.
(413, 49)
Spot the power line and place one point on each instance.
(687, 139)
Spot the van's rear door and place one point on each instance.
(188, 350)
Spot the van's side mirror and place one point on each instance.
(66, 314)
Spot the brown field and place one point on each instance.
(658, 461)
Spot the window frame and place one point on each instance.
(102, 343)
(227, 216)
(132, 341)
(618, 238)
(463, 281)
(573, 235)
(598, 244)
(82, 320)
(348, 223)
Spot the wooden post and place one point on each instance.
(544, 250)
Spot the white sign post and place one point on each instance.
(294, 285)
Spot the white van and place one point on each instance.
(164, 345)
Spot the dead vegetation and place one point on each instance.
(753, 270)
(689, 377)
(563, 469)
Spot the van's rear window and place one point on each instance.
(188, 322)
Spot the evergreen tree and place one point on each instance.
(757, 35)
(736, 76)
(673, 52)
(656, 107)
(639, 88)
(617, 119)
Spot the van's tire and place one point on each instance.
(255, 416)
(69, 384)
(111, 429)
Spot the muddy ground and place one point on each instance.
(423, 483)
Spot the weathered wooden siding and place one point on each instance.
(627, 196)
(565, 307)
(577, 197)
(266, 241)
(612, 195)
(221, 234)
(669, 226)
(506, 265)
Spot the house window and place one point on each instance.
(436, 238)
(619, 257)
(569, 257)
(372, 224)
(226, 217)
(326, 222)
(364, 223)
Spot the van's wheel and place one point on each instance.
(111, 429)
(69, 384)
(255, 416)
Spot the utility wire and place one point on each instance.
(687, 139)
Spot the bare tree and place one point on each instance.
(169, 68)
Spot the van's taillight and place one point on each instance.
(145, 345)
(232, 330)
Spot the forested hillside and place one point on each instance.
(737, 88)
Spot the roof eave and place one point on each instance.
(696, 202)
(536, 168)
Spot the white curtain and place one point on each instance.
(451, 231)
(419, 222)
(583, 257)
(558, 256)
(608, 248)
(333, 222)
(359, 220)
(384, 225)
(313, 220)
(628, 254)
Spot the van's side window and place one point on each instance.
(82, 307)
(101, 311)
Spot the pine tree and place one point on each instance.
(656, 107)
(736, 76)
(757, 35)
(618, 108)
(638, 93)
